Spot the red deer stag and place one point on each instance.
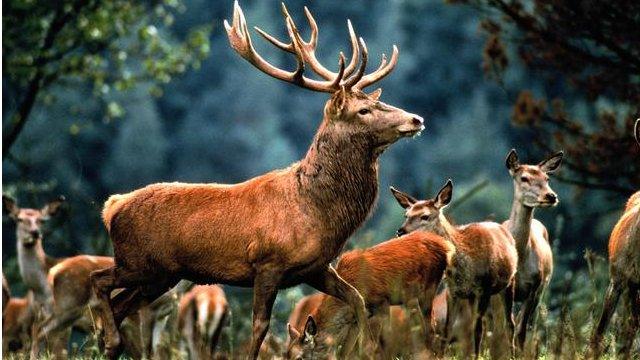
(535, 260)
(624, 273)
(202, 313)
(484, 263)
(274, 231)
(402, 271)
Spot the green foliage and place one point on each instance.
(108, 44)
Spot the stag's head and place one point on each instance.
(29, 221)
(302, 345)
(531, 182)
(424, 215)
(350, 110)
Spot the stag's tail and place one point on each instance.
(111, 208)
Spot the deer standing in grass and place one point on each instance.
(33, 262)
(276, 230)
(535, 260)
(484, 263)
(624, 273)
(401, 271)
(202, 313)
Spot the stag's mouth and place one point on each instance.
(415, 132)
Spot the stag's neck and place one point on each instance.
(33, 270)
(520, 227)
(338, 180)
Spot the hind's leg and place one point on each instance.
(632, 322)
(610, 301)
(509, 294)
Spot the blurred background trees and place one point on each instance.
(126, 95)
(588, 50)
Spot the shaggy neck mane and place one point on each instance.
(338, 180)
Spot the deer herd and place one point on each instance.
(413, 295)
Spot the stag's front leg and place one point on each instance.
(330, 283)
(265, 290)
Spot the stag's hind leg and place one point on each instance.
(112, 312)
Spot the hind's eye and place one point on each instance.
(364, 111)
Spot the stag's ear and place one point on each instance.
(444, 195)
(552, 163)
(293, 333)
(405, 200)
(10, 207)
(338, 102)
(375, 94)
(53, 206)
(310, 328)
(512, 161)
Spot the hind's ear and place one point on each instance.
(293, 333)
(310, 328)
(10, 207)
(405, 200)
(53, 206)
(444, 195)
(552, 163)
(512, 161)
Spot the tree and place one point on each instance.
(589, 53)
(110, 44)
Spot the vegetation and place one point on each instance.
(102, 97)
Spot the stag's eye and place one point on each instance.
(364, 111)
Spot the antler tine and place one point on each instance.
(381, 72)
(311, 46)
(341, 70)
(363, 65)
(240, 41)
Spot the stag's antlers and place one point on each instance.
(305, 52)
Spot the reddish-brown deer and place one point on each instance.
(328, 321)
(624, 273)
(535, 260)
(17, 320)
(202, 313)
(484, 263)
(401, 271)
(33, 262)
(274, 231)
(304, 307)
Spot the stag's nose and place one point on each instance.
(400, 232)
(551, 197)
(417, 120)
